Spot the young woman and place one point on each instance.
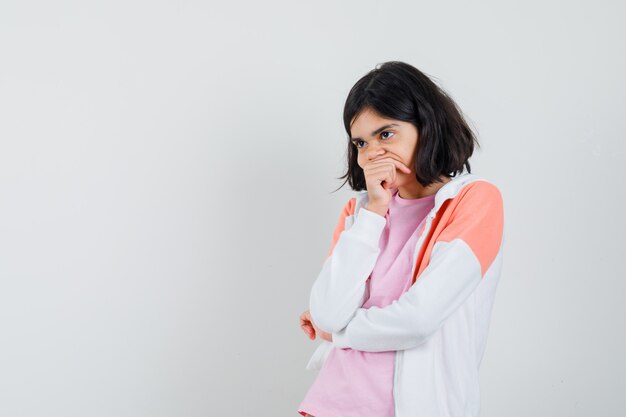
(403, 301)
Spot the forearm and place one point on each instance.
(412, 319)
(340, 288)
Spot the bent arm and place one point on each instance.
(450, 278)
(340, 288)
(460, 257)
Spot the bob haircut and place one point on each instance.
(397, 90)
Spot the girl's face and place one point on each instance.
(377, 137)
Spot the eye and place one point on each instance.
(356, 142)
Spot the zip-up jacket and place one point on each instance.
(438, 328)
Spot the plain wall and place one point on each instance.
(166, 178)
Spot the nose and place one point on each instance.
(374, 152)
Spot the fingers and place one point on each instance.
(309, 330)
(395, 162)
(384, 174)
(305, 317)
(307, 325)
(384, 171)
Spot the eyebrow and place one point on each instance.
(377, 131)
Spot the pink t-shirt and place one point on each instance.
(353, 383)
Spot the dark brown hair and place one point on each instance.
(397, 90)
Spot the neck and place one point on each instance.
(416, 190)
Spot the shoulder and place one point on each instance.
(354, 203)
(477, 208)
(477, 220)
(479, 193)
(350, 206)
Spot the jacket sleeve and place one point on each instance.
(459, 259)
(340, 288)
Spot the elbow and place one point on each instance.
(327, 319)
(330, 326)
(327, 313)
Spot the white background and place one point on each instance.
(166, 177)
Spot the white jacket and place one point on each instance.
(438, 328)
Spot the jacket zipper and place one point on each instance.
(399, 354)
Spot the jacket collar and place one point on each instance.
(452, 188)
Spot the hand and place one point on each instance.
(380, 177)
(307, 325)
